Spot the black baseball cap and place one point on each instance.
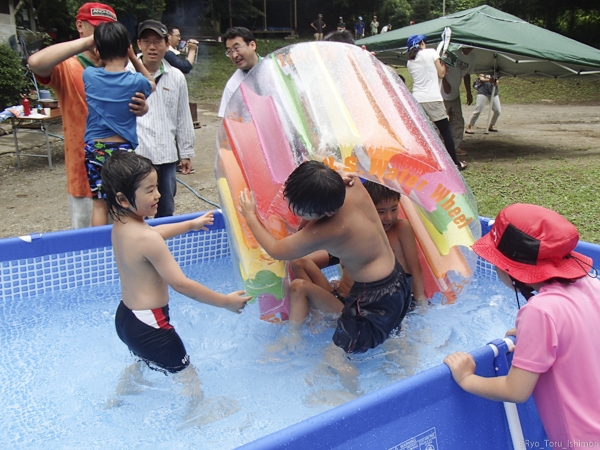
(154, 25)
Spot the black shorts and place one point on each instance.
(151, 337)
(372, 311)
(333, 260)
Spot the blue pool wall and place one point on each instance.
(425, 411)
(36, 264)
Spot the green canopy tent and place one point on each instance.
(504, 45)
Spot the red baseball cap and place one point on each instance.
(533, 244)
(96, 13)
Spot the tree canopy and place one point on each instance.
(578, 19)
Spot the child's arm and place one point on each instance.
(516, 387)
(291, 247)
(158, 254)
(170, 230)
(139, 67)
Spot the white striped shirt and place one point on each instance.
(168, 122)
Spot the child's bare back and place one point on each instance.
(355, 235)
(346, 224)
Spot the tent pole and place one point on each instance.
(489, 118)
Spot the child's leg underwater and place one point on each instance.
(348, 373)
(129, 383)
(303, 296)
(202, 411)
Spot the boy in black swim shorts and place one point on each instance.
(147, 269)
(344, 222)
(310, 282)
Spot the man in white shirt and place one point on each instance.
(168, 124)
(451, 93)
(240, 45)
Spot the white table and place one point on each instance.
(36, 122)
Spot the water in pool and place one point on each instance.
(60, 360)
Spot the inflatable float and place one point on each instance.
(338, 104)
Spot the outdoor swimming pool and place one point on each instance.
(60, 358)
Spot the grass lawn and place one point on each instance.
(566, 185)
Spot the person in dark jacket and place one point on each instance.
(173, 55)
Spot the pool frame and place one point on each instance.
(425, 411)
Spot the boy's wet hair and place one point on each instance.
(242, 32)
(380, 193)
(340, 36)
(123, 172)
(314, 188)
(112, 40)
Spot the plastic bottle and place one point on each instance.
(26, 106)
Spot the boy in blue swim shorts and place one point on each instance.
(111, 126)
(147, 269)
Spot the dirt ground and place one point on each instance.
(33, 198)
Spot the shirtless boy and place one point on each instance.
(344, 222)
(400, 235)
(147, 269)
(311, 284)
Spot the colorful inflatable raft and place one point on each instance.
(336, 103)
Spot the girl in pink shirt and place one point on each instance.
(556, 356)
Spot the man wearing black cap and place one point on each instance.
(341, 26)
(168, 124)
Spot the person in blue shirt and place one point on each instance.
(110, 124)
(359, 28)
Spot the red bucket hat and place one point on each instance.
(96, 13)
(533, 244)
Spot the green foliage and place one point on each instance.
(541, 90)
(148, 9)
(240, 9)
(396, 12)
(452, 6)
(579, 19)
(568, 186)
(538, 90)
(12, 77)
(60, 14)
(421, 11)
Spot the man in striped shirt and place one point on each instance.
(168, 125)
